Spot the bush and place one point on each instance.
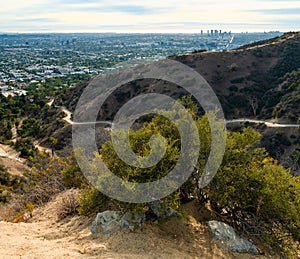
(40, 187)
(233, 67)
(8, 184)
(67, 204)
(91, 201)
(259, 196)
(237, 80)
(233, 88)
(72, 176)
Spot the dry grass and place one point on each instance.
(67, 204)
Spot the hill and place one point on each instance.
(259, 81)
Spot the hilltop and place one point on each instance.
(259, 81)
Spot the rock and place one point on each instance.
(130, 219)
(161, 210)
(109, 221)
(226, 235)
(105, 222)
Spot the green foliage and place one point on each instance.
(256, 193)
(233, 67)
(72, 176)
(237, 80)
(250, 189)
(91, 201)
(53, 141)
(30, 127)
(8, 184)
(139, 142)
(288, 101)
(26, 147)
(5, 129)
(289, 60)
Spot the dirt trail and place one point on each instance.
(45, 237)
(8, 151)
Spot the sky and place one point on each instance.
(189, 16)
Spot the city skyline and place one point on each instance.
(155, 16)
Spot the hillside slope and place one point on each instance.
(260, 80)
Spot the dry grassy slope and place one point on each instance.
(255, 63)
(247, 69)
(215, 66)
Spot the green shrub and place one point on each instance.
(72, 176)
(237, 80)
(91, 201)
(233, 67)
(260, 197)
(233, 88)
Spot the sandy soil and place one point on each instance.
(14, 166)
(8, 151)
(11, 160)
(45, 237)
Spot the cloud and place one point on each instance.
(87, 15)
(38, 20)
(128, 9)
(91, 6)
(283, 11)
(78, 1)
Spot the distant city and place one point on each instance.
(27, 59)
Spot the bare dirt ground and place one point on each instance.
(13, 166)
(45, 237)
(10, 159)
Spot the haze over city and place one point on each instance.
(148, 16)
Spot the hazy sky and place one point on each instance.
(148, 16)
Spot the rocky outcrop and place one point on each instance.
(109, 221)
(226, 235)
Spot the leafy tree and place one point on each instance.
(258, 196)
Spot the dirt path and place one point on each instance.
(45, 237)
(26, 240)
(48, 239)
(42, 149)
(267, 123)
(8, 151)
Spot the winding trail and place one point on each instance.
(267, 123)
(69, 115)
(50, 102)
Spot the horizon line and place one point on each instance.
(141, 32)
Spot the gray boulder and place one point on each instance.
(161, 210)
(226, 235)
(109, 221)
